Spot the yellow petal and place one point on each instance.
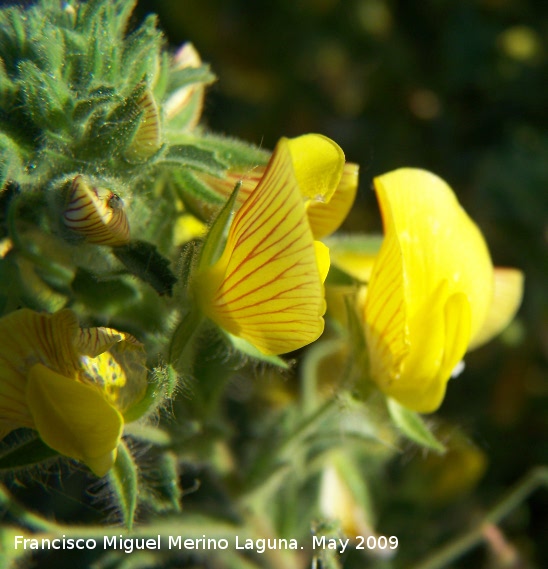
(73, 418)
(326, 217)
(267, 286)
(97, 214)
(28, 337)
(508, 292)
(430, 289)
(322, 258)
(318, 164)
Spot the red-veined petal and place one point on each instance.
(267, 286)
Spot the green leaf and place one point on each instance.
(26, 454)
(123, 481)
(411, 425)
(143, 260)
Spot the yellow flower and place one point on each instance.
(267, 286)
(72, 385)
(433, 292)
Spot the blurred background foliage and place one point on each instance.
(456, 86)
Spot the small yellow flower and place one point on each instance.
(267, 286)
(96, 214)
(433, 292)
(72, 385)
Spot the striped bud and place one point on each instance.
(147, 139)
(180, 100)
(97, 214)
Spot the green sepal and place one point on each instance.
(28, 453)
(193, 192)
(244, 347)
(167, 377)
(216, 237)
(101, 96)
(153, 397)
(179, 78)
(47, 101)
(162, 77)
(412, 426)
(189, 252)
(143, 260)
(235, 153)
(101, 61)
(109, 135)
(181, 345)
(167, 493)
(13, 35)
(123, 480)
(192, 156)
(140, 50)
(113, 14)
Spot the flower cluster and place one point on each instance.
(233, 254)
(431, 293)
